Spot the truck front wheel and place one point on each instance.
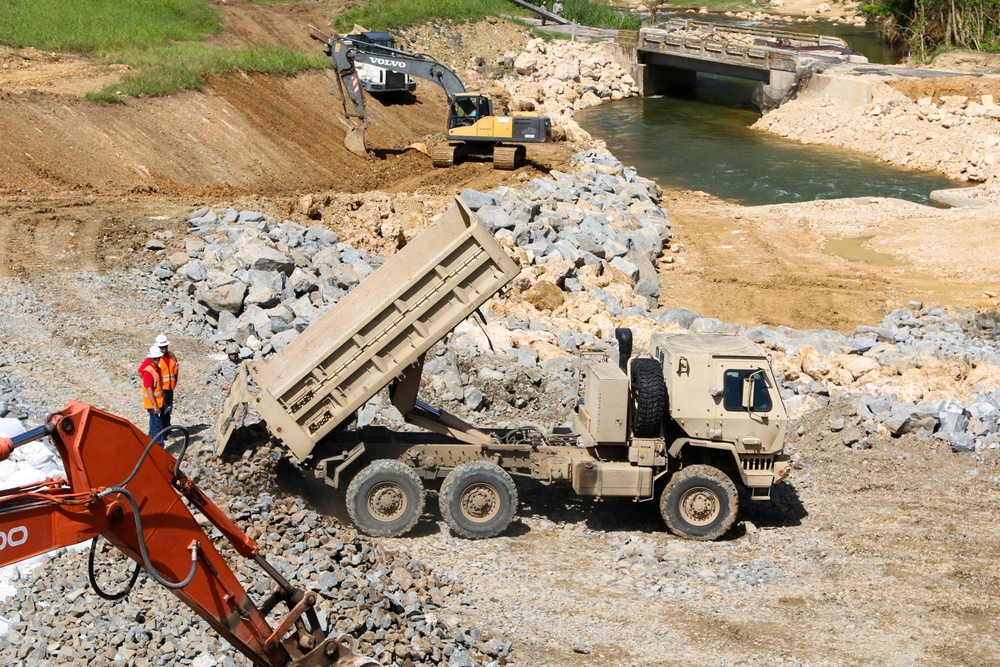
(700, 503)
(478, 500)
(385, 499)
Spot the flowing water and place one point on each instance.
(701, 139)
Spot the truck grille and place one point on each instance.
(758, 462)
(395, 80)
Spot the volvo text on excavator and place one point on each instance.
(123, 487)
(472, 127)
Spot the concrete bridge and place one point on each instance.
(670, 56)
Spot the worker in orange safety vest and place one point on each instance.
(169, 370)
(152, 391)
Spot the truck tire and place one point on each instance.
(700, 503)
(385, 499)
(649, 395)
(478, 500)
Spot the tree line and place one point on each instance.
(926, 26)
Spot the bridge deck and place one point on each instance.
(731, 50)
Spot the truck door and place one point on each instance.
(747, 402)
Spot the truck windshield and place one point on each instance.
(370, 44)
(732, 397)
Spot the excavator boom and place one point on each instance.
(123, 487)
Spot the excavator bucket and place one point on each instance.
(355, 141)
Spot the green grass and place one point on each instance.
(599, 15)
(164, 70)
(387, 14)
(390, 14)
(104, 25)
(160, 41)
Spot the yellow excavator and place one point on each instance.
(472, 128)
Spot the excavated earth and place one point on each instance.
(879, 555)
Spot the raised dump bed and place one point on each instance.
(691, 423)
(375, 332)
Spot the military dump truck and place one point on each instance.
(687, 425)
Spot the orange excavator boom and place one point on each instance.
(122, 486)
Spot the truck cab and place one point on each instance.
(699, 419)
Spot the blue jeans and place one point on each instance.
(156, 424)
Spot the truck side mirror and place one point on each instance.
(747, 396)
(749, 385)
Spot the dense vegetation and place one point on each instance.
(926, 26)
(104, 25)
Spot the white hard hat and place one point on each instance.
(155, 352)
(162, 341)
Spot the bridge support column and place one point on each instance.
(774, 91)
(657, 79)
(781, 80)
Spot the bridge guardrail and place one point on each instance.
(758, 57)
(786, 37)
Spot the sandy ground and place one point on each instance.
(882, 556)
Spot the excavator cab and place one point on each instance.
(468, 109)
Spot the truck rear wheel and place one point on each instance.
(385, 499)
(700, 503)
(649, 396)
(478, 500)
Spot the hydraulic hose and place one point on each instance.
(120, 488)
(91, 575)
(153, 572)
(152, 441)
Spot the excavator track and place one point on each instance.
(508, 157)
(444, 156)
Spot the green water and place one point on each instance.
(702, 141)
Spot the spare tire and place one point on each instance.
(649, 396)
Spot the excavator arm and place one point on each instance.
(123, 487)
(344, 55)
(415, 64)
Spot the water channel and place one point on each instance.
(701, 139)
